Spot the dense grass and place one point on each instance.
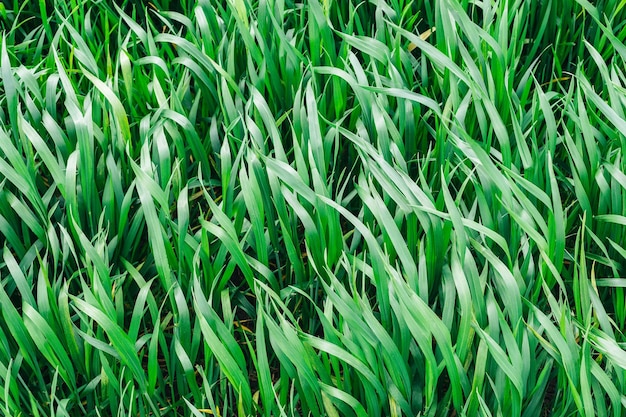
(326, 207)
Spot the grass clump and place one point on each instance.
(312, 208)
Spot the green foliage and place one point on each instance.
(282, 208)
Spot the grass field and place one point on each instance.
(313, 208)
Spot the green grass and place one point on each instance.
(316, 208)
